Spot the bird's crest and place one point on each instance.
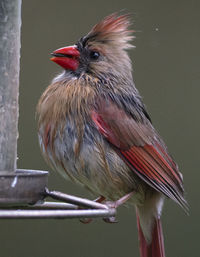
(113, 29)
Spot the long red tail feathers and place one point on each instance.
(156, 247)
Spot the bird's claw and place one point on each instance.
(110, 220)
(86, 220)
(89, 220)
(111, 205)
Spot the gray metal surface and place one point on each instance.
(53, 205)
(53, 214)
(22, 187)
(82, 202)
(10, 24)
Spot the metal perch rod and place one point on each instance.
(53, 214)
(53, 210)
(75, 200)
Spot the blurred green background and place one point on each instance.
(166, 72)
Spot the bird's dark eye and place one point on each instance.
(94, 55)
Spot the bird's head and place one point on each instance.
(101, 51)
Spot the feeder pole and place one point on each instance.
(10, 24)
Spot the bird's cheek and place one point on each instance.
(67, 63)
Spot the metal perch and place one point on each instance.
(70, 208)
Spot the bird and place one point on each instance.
(94, 129)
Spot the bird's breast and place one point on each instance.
(73, 146)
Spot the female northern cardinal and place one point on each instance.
(94, 128)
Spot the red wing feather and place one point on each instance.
(150, 166)
(145, 155)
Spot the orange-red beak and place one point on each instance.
(67, 57)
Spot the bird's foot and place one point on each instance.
(100, 199)
(115, 205)
(86, 220)
(110, 204)
(110, 220)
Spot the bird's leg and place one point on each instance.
(100, 199)
(110, 204)
(115, 205)
(120, 201)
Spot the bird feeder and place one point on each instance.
(23, 192)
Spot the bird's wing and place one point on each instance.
(138, 144)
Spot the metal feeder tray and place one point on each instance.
(22, 195)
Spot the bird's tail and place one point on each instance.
(151, 241)
(155, 246)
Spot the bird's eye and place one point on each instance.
(94, 55)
